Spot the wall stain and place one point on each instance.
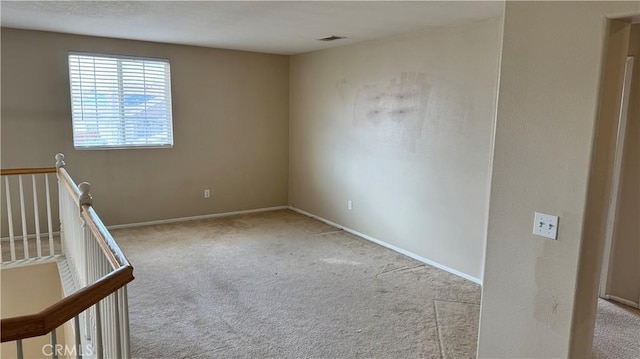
(550, 304)
(340, 87)
(402, 102)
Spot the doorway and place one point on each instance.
(620, 278)
(616, 333)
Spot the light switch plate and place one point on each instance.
(545, 225)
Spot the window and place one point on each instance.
(120, 102)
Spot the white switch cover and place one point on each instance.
(545, 225)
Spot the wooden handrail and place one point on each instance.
(66, 179)
(108, 245)
(26, 171)
(35, 325)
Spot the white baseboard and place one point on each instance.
(390, 246)
(193, 218)
(622, 300)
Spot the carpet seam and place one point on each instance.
(435, 311)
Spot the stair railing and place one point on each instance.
(99, 307)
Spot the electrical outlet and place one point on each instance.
(207, 193)
(349, 205)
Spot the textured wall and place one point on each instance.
(230, 119)
(402, 127)
(549, 85)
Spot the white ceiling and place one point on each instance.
(281, 27)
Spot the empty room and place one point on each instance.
(384, 179)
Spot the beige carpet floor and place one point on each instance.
(282, 285)
(617, 332)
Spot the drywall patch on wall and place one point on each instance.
(399, 105)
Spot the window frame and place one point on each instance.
(122, 146)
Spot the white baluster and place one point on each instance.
(112, 328)
(24, 220)
(49, 225)
(88, 332)
(36, 216)
(54, 342)
(87, 237)
(126, 350)
(108, 322)
(88, 277)
(19, 353)
(83, 246)
(116, 322)
(61, 201)
(98, 338)
(79, 347)
(12, 242)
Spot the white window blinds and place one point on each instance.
(120, 102)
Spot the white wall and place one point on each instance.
(402, 127)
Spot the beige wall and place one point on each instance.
(402, 127)
(29, 290)
(624, 275)
(549, 84)
(230, 118)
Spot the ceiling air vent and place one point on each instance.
(332, 38)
